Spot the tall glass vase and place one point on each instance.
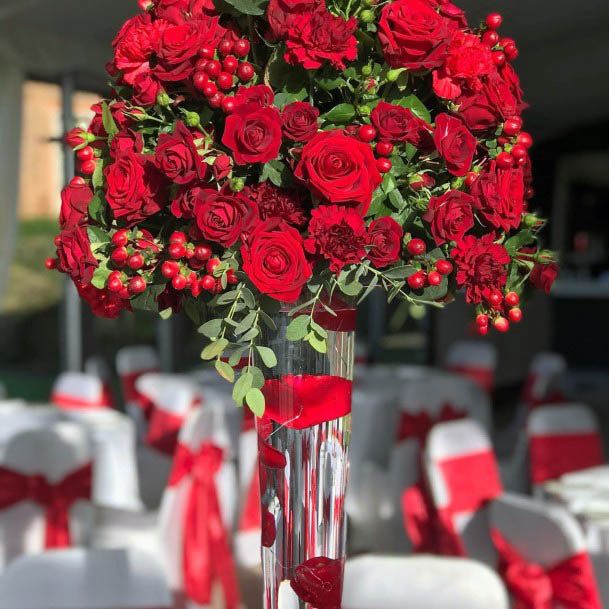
(303, 458)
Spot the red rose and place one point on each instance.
(134, 44)
(75, 137)
(543, 276)
(413, 35)
(338, 234)
(450, 11)
(339, 169)
(275, 262)
(184, 204)
(253, 134)
(282, 13)
(171, 9)
(455, 144)
(222, 167)
(146, 89)
(385, 241)
(398, 124)
(223, 216)
(299, 121)
(272, 202)
(103, 303)
(126, 140)
(75, 199)
(315, 39)
(75, 255)
(499, 196)
(258, 94)
(177, 156)
(481, 266)
(118, 111)
(135, 189)
(450, 216)
(202, 7)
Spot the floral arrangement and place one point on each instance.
(259, 152)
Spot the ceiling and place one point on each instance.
(563, 62)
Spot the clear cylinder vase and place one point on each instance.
(304, 463)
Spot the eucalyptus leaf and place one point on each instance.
(214, 349)
(225, 371)
(268, 356)
(298, 328)
(242, 386)
(211, 328)
(254, 398)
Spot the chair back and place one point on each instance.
(98, 366)
(476, 360)
(79, 390)
(16, 416)
(545, 371)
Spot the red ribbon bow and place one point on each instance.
(56, 499)
(569, 584)
(206, 555)
(418, 424)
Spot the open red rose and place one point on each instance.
(103, 303)
(282, 13)
(499, 196)
(258, 94)
(75, 199)
(455, 144)
(283, 203)
(315, 39)
(450, 216)
(223, 216)
(481, 266)
(172, 10)
(253, 134)
(385, 241)
(135, 189)
(338, 234)
(413, 35)
(275, 262)
(74, 254)
(183, 206)
(177, 156)
(543, 276)
(300, 121)
(134, 44)
(398, 124)
(339, 169)
(127, 140)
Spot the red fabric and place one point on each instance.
(163, 430)
(418, 425)
(485, 377)
(552, 456)
(56, 499)
(130, 393)
(530, 399)
(303, 401)
(251, 516)
(569, 584)
(65, 401)
(206, 553)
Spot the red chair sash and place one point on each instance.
(417, 425)
(66, 401)
(55, 499)
(206, 555)
(553, 456)
(569, 584)
(130, 393)
(251, 517)
(485, 377)
(163, 430)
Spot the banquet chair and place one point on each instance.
(476, 360)
(541, 548)
(45, 482)
(463, 478)
(545, 370)
(79, 390)
(81, 578)
(562, 438)
(97, 366)
(429, 582)
(17, 416)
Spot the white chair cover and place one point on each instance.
(545, 370)
(16, 416)
(476, 360)
(85, 579)
(422, 582)
(78, 390)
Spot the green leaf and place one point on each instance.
(100, 276)
(242, 386)
(251, 334)
(165, 314)
(245, 7)
(519, 240)
(267, 320)
(246, 323)
(146, 301)
(298, 328)
(352, 288)
(321, 332)
(255, 401)
(214, 349)
(282, 99)
(268, 356)
(195, 310)
(319, 344)
(373, 283)
(97, 208)
(396, 199)
(98, 175)
(340, 114)
(277, 172)
(330, 83)
(98, 237)
(211, 328)
(227, 297)
(399, 272)
(225, 371)
(257, 376)
(415, 104)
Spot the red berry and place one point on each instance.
(228, 104)
(225, 81)
(366, 133)
(470, 178)
(230, 64)
(501, 324)
(203, 252)
(170, 269)
(434, 278)
(114, 284)
(50, 263)
(525, 139)
(136, 262)
(200, 65)
(178, 237)
(213, 68)
(212, 265)
(120, 237)
(512, 126)
(512, 299)
(482, 330)
(241, 47)
(215, 101)
(493, 21)
(509, 47)
(137, 285)
(519, 152)
(209, 89)
(77, 181)
(499, 58)
(88, 167)
(245, 71)
(417, 280)
(490, 38)
(482, 320)
(179, 282)
(515, 315)
(416, 247)
(444, 267)
(384, 148)
(208, 283)
(384, 165)
(231, 277)
(200, 80)
(495, 298)
(512, 54)
(57, 240)
(177, 251)
(207, 52)
(504, 160)
(119, 256)
(85, 154)
(225, 47)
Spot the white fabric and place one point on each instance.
(79, 386)
(422, 582)
(561, 419)
(16, 416)
(153, 470)
(173, 393)
(97, 366)
(546, 368)
(54, 452)
(472, 354)
(85, 579)
(137, 358)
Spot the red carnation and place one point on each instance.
(315, 39)
(103, 303)
(75, 255)
(285, 204)
(134, 45)
(281, 14)
(499, 196)
(543, 276)
(258, 94)
(275, 262)
(223, 216)
(338, 234)
(398, 124)
(75, 199)
(481, 266)
(385, 241)
(299, 121)
(177, 156)
(253, 134)
(450, 216)
(338, 168)
(455, 144)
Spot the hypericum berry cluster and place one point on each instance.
(429, 271)
(498, 306)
